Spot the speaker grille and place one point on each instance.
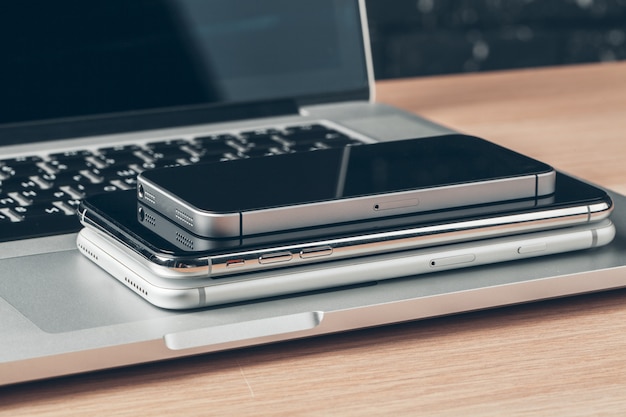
(87, 252)
(184, 240)
(148, 218)
(184, 217)
(134, 286)
(149, 197)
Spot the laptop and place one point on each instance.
(94, 94)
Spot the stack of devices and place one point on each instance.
(213, 233)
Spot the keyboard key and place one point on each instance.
(159, 163)
(18, 184)
(121, 161)
(305, 146)
(121, 155)
(56, 208)
(264, 142)
(171, 155)
(307, 128)
(256, 151)
(164, 146)
(27, 197)
(57, 166)
(210, 146)
(20, 170)
(8, 201)
(71, 178)
(47, 210)
(296, 136)
(216, 138)
(206, 158)
(116, 172)
(79, 191)
(4, 220)
(28, 160)
(171, 149)
(252, 136)
(120, 149)
(70, 155)
(338, 140)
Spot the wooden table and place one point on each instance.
(560, 357)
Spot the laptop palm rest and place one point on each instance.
(64, 292)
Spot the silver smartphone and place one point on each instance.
(185, 294)
(172, 252)
(357, 182)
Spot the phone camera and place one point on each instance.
(142, 214)
(140, 191)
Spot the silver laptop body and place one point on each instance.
(61, 314)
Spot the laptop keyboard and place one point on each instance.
(39, 195)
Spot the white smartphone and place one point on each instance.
(357, 182)
(172, 252)
(185, 294)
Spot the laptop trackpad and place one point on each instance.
(63, 291)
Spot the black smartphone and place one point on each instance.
(330, 186)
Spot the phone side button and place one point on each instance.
(452, 260)
(316, 252)
(537, 247)
(270, 258)
(234, 263)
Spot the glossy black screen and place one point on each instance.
(354, 171)
(75, 59)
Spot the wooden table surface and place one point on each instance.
(559, 357)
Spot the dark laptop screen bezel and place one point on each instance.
(356, 70)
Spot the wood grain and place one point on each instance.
(559, 357)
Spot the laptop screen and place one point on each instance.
(64, 60)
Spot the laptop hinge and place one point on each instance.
(136, 121)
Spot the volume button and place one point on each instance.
(453, 260)
(537, 247)
(270, 258)
(316, 252)
(234, 263)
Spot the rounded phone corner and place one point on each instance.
(546, 183)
